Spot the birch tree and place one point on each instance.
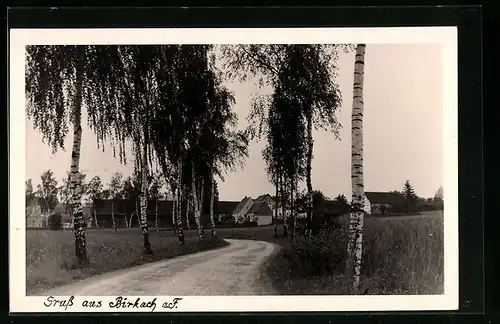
(116, 193)
(47, 192)
(314, 86)
(94, 194)
(60, 80)
(155, 194)
(355, 240)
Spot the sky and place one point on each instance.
(403, 128)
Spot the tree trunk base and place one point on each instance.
(180, 235)
(148, 251)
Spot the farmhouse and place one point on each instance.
(240, 213)
(268, 199)
(223, 211)
(384, 202)
(35, 218)
(261, 213)
(227, 212)
(125, 213)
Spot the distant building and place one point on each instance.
(268, 199)
(261, 213)
(224, 210)
(240, 213)
(34, 217)
(125, 213)
(384, 202)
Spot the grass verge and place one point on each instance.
(50, 260)
(400, 257)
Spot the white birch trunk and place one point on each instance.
(143, 198)
(95, 219)
(355, 243)
(156, 214)
(197, 205)
(309, 203)
(294, 187)
(180, 231)
(212, 200)
(174, 208)
(113, 213)
(188, 206)
(76, 201)
(275, 216)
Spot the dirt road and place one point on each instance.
(233, 270)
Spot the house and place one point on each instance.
(384, 202)
(125, 213)
(240, 212)
(261, 213)
(67, 220)
(34, 217)
(223, 211)
(268, 199)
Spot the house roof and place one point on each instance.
(226, 207)
(262, 197)
(384, 198)
(242, 204)
(261, 208)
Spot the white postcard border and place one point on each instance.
(447, 36)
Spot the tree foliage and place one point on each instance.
(115, 186)
(94, 191)
(410, 196)
(47, 192)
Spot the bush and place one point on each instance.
(319, 254)
(55, 222)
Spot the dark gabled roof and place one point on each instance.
(385, 198)
(260, 208)
(226, 207)
(262, 197)
(242, 204)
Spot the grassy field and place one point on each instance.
(400, 256)
(50, 254)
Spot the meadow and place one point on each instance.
(400, 257)
(50, 260)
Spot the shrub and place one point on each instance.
(319, 254)
(55, 222)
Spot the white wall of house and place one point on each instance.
(240, 217)
(263, 220)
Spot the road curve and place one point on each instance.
(232, 270)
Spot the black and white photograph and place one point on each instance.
(233, 170)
